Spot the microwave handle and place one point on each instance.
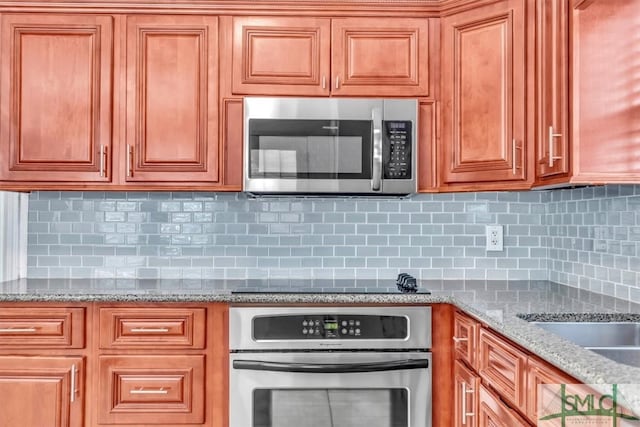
(331, 368)
(376, 179)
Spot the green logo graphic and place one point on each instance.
(583, 404)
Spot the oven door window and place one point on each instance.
(310, 149)
(337, 407)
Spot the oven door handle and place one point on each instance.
(331, 368)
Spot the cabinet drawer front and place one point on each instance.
(151, 389)
(493, 413)
(503, 367)
(152, 327)
(31, 327)
(464, 338)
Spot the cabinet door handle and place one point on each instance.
(160, 330)
(73, 384)
(4, 330)
(337, 82)
(143, 390)
(552, 156)
(324, 82)
(460, 339)
(101, 161)
(463, 403)
(514, 149)
(129, 160)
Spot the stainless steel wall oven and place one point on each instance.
(330, 367)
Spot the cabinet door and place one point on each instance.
(552, 151)
(281, 56)
(604, 89)
(503, 367)
(41, 391)
(55, 97)
(465, 338)
(539, 373)
(493, 413)
(380, 57)
(467, 387)
(483, 89)
(172, 98)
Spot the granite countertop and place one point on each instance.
(499, 304)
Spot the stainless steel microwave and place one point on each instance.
(330, 146)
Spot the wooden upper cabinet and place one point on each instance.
(55, 97)
(281, 56)
(41, 391)
(320, 56)
(172, 99)
(604, 88)
(382, 57)
(484, 85)
(552, 63)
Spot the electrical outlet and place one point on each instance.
(494, 238)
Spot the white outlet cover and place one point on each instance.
(494, 235)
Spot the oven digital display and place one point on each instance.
(331, 325)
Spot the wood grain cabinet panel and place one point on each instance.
(466, 391)
(151, 389)
(492, 412)
(172, 99)
(483, 88)
(539, 373)
(552, 63)
(381, 57)
(41, 391)
(503, 367)
(465, 339)
(604, 89)
(55, 97)
(157, 328)
(281, 55)
(42, 327)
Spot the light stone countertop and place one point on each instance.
(496, 303)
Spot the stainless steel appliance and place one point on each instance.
(330, 145)
(330, 366)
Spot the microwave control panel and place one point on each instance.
(396, 149)
(329, 326)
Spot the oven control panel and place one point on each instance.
(330, 326)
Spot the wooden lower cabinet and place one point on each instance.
(539, 373)
(492, 412)
(41, 391)
(467, 384)
(502, 388)
(151, 389)
(503, 366)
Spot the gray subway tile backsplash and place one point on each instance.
(584, 237)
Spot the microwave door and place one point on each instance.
(311, 155)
